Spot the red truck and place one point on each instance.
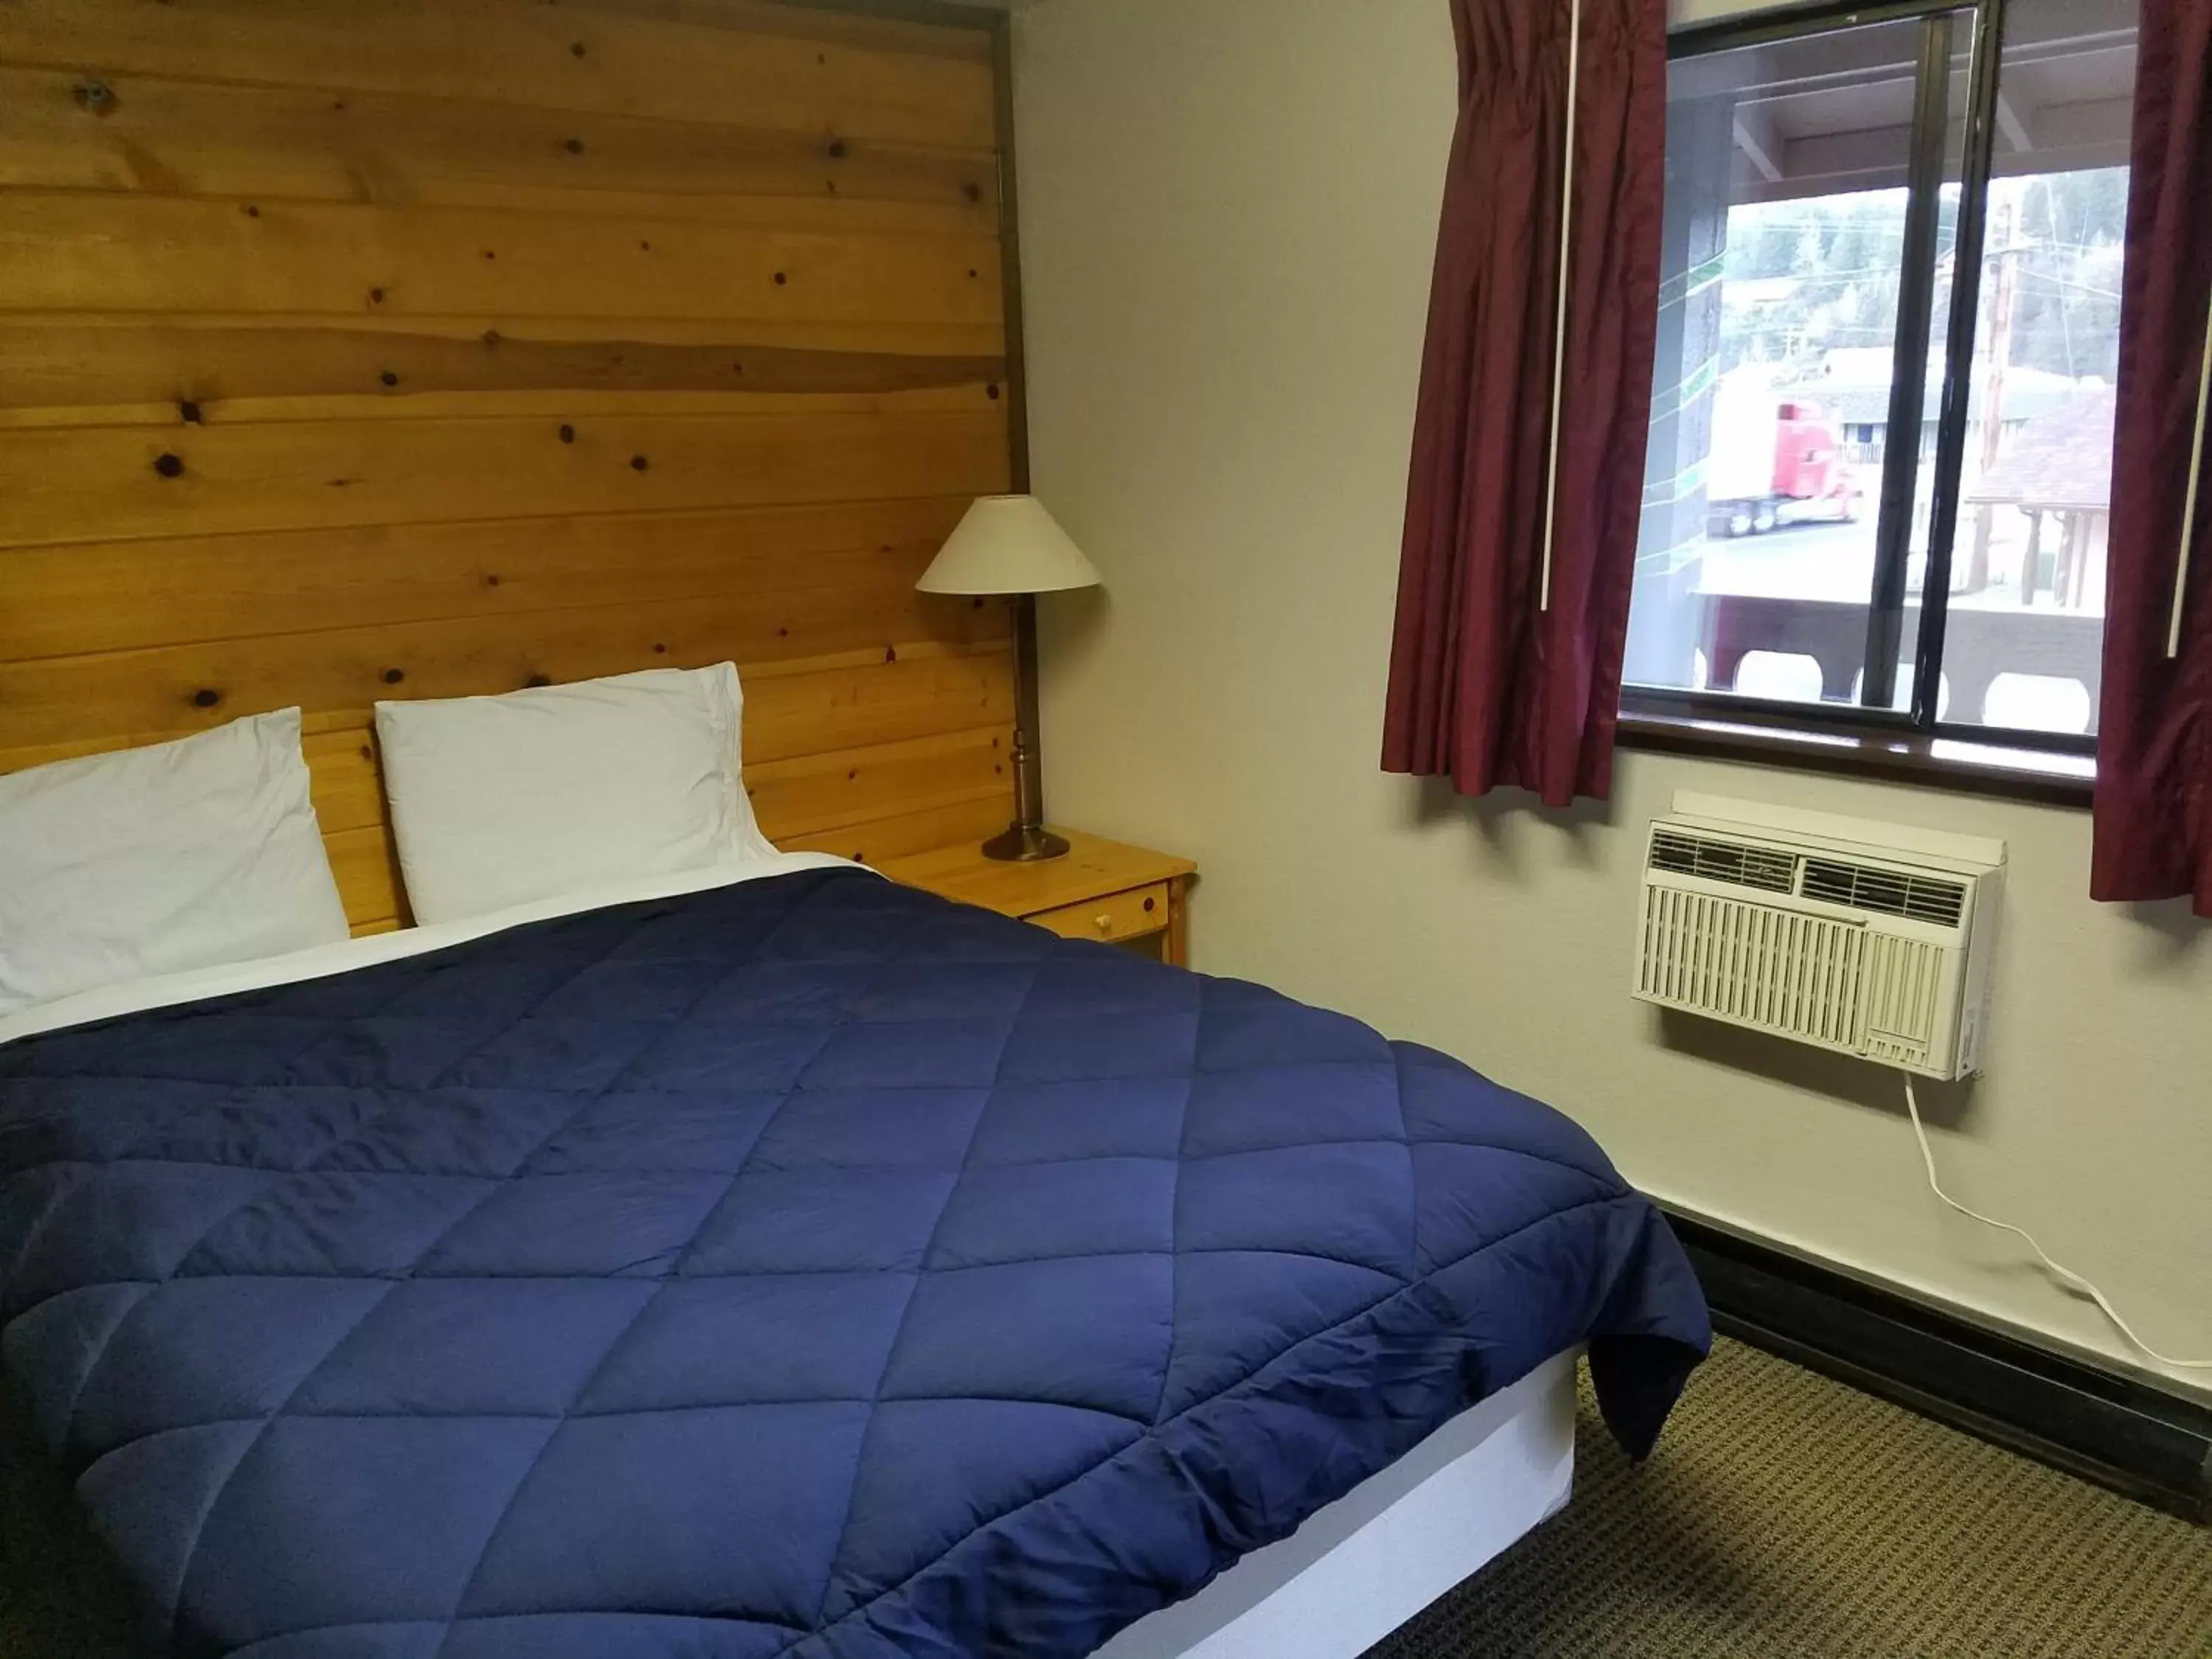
(1774, 460)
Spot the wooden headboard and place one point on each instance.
(364, 349)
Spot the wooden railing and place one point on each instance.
(1978, 645)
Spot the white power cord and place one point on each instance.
(2066, 1276)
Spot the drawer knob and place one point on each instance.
(1105, 922)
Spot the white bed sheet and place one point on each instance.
(168, 990)
(1364, 1564)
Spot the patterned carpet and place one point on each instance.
(1786, 1517)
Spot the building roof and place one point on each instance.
(2060, 459)
(1852, 385)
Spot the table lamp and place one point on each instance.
(1010, 546)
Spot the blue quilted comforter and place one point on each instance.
(808, 1267)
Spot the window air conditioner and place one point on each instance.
(1867, 939)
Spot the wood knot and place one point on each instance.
(169, 465)
(536, 682)
(992, 391)
(252, 211)
(838, 149)
(660, 650)
(575, 49)
(389, 378)
(783, 278)
(567, 433)
(96, 97)
(206, 699)
(973, 191)
(393, 675)
(492, 581)
(492, 337)
(638, 462)
(188, 412)
(376, 296)
(574, 146)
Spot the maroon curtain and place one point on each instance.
(2155, 741)
(1486, 687)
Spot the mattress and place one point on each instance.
(1401, 1539)
(807, 1265)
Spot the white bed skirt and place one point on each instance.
(1363, 1567)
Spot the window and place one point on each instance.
(1879, 478)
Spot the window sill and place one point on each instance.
(1930, 762)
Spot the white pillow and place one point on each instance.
(498, 801)
(188, 854)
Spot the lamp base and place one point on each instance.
(1026, 843)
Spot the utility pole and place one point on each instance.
(2006, 254)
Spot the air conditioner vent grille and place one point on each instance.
(1785, 971)
(1888, 892)
(1730, 861)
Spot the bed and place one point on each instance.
(790, 1262)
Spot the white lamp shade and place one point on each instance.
(1008, 544)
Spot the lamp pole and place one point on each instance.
(1026, 841)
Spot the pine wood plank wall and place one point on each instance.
(362, 349)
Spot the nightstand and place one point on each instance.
(1102, 889)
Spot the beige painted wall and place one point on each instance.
(1229, 211)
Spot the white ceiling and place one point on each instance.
(1834, 113)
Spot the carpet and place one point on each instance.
(1785, 1515)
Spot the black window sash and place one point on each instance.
(1908, 374)
(1958, 361)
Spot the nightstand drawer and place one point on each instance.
(1139, 893)
(1117, 916)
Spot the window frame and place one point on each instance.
(1870, 737)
